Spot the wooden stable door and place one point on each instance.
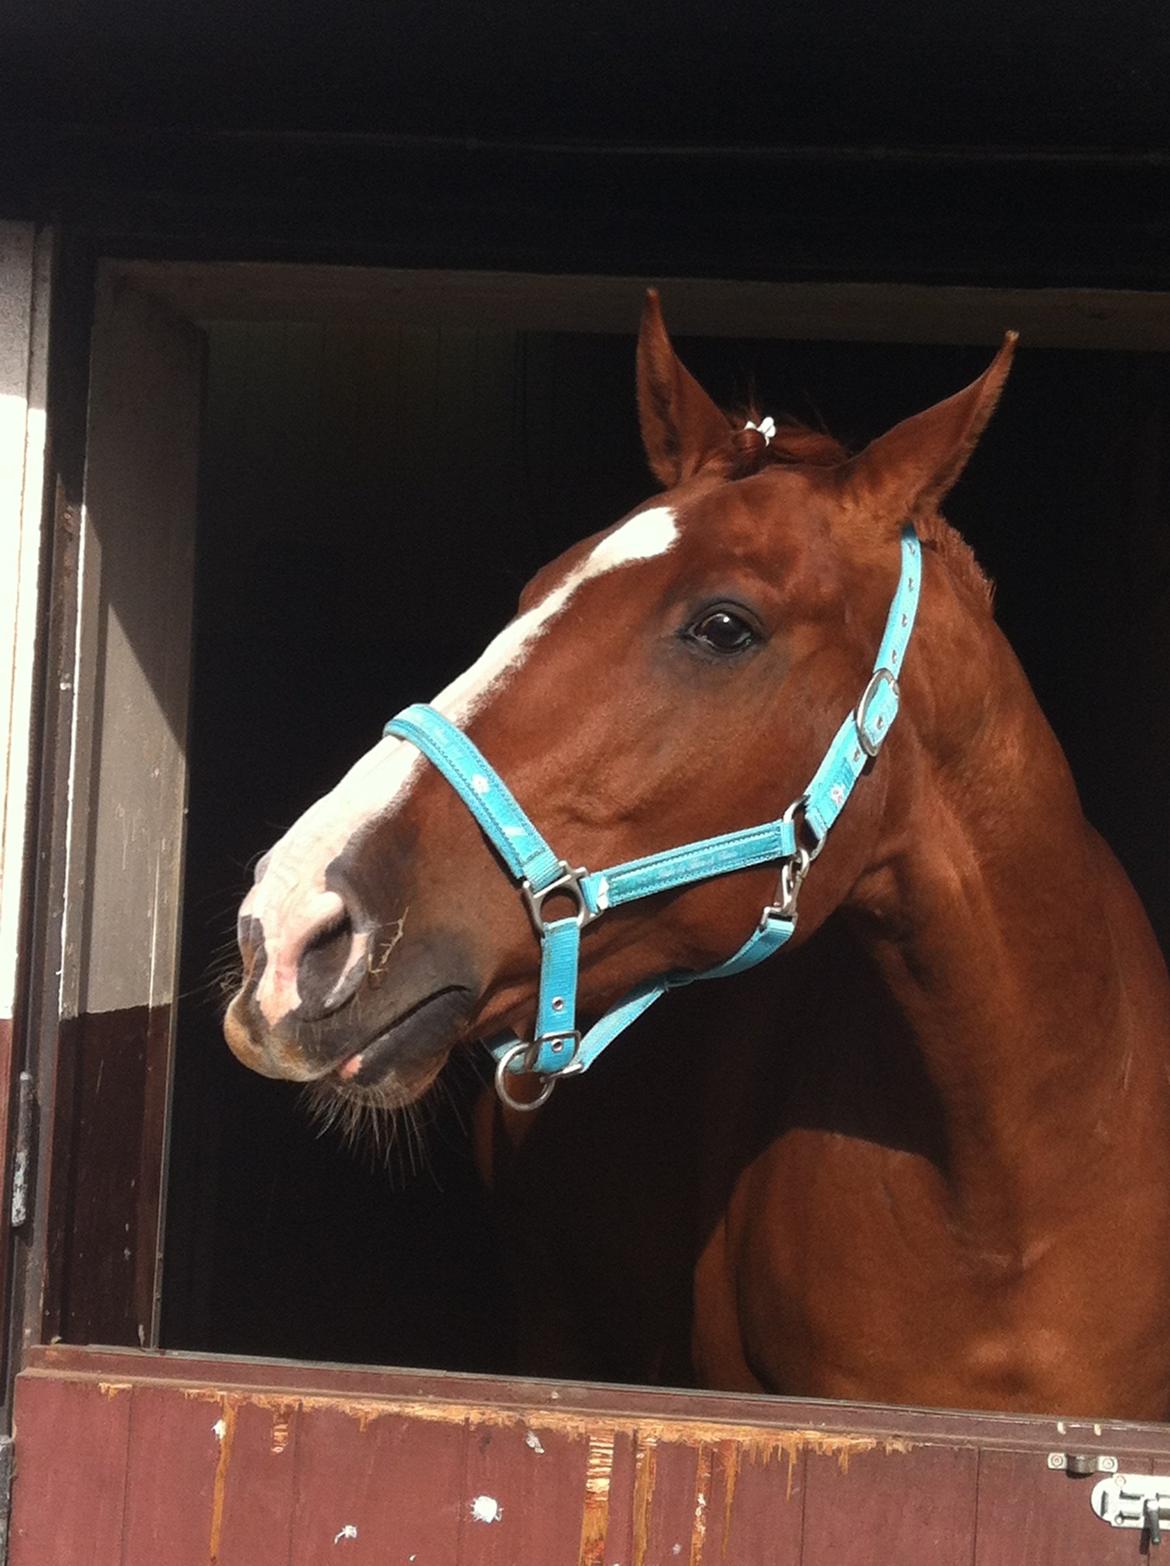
(132, 1457)
(171, 1460)
(113, 808)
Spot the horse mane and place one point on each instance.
(795, 444)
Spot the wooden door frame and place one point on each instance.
(170, 1395)
(191, 292)
(100, 980)
(26, 286)
(1122, 320)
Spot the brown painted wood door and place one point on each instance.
(144, 1459)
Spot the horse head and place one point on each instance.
(678, 676)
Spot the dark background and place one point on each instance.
(1013, 140)
(909, 72)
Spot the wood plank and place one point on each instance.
(607, 1511)
(175, 1465)
(522, 1492)
(378, 1487)
(1124, 319)
(108, 1236)
(255, 1494)
(917, 1503)
(126, 823)
(135, 618)
(1029, 1515)
(135, 1471)
(755, 1512)
(69, 1491)
(532, 1397)
(26, 264)
(665, 1474)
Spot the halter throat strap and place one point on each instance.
(558, 1047)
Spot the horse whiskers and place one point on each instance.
(390, 1138)
(223, 975)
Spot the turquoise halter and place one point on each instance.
(558, 1047)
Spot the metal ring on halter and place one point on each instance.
(502, 1071)
(567, 884)
(790, 815)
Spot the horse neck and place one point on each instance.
(991, 910)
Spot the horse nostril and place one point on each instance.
(250, 940)
(328, 971)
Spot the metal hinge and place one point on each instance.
(22, 1159)
(1134, 1501)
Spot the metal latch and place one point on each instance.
(1079, 1465)
(1133, 1501)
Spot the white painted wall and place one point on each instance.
(25, 257)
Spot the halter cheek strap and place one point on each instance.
(558, 1046)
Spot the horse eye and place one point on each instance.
(722, 631)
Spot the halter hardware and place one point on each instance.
(513, 1063)
(792, 870)
(558, 1047)
(792, 874)
(567, 884)
(871, 741)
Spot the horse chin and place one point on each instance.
(399, 1064)
(396, 1090)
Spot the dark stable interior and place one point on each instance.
(372, 502)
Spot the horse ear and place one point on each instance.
(906, 472)
(681, 426)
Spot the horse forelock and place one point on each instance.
(793, 444)
(798, 445)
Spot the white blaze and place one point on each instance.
(291, 897)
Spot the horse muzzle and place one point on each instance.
(360, 1023)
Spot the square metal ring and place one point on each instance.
(567, 884)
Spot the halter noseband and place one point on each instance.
(558, 1047)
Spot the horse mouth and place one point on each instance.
(403, 1060)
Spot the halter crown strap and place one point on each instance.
(864, 731)
(558, 1046)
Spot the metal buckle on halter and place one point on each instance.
(556, 1042)
(567, 884)
(877, 678)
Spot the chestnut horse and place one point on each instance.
(923, 1154)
